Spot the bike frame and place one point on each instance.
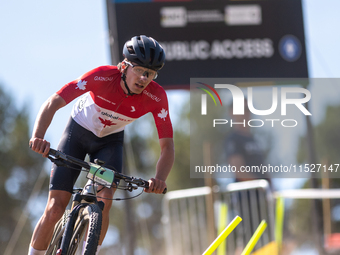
(82, 198)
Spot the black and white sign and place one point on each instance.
(250, 39)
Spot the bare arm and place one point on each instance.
(164, 165)
(43, 121)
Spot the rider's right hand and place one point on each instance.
(40, 145)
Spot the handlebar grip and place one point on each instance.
(164, 191)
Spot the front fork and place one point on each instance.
(77, 198)
(75, 209)
(88, 194)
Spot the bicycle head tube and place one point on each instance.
(89, 191)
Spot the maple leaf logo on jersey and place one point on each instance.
(107, 123)
(163, 114)
(81, 85)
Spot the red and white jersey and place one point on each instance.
(104, 108)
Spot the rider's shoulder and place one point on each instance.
(106, 69)
(155, 87)
(154, 90)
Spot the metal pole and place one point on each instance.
(113, 35)
(131, 165)
(316, 215)
(326, 205)
(210, 197)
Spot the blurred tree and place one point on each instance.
(19, 169)
(327, 140)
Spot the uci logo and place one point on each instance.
(238, 99)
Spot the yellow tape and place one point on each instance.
(223, 235)
(254, 239)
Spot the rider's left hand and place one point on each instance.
(156, 186)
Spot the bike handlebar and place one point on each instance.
(55, 155)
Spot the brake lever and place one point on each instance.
(57, 154)
(57, 161)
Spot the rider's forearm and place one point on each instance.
(45, 115)
(166, 160)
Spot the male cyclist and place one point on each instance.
(111, 97)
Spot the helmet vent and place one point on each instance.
(152, 54)
(130, 49)
(142, 51)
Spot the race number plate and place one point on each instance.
(102, 175)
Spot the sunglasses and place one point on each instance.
(142, 71)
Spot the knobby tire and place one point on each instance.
(90, 220)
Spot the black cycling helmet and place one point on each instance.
(145, 51)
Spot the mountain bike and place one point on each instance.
(82, 223)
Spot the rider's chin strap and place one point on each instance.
(126, 86)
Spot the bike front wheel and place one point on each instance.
(86, 229)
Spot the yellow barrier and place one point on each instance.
(280, 211)
(222, 222)
(269, 249)
(256, 236)
(223, 235)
